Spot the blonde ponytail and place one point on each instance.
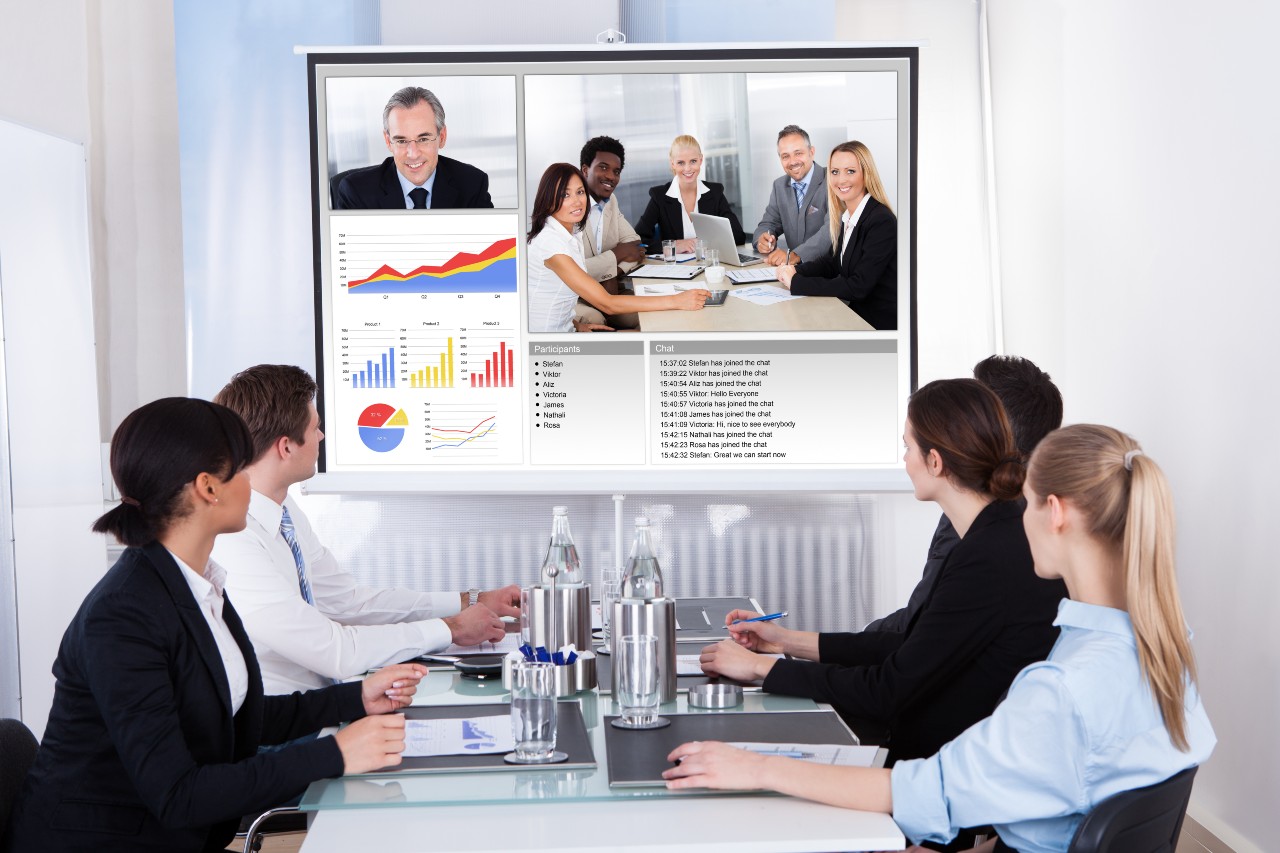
(1151, 587)
(1125, 496)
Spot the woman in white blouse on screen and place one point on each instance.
(557, 269)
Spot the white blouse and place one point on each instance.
(674, 192)
(850, 221)
(207, 590)
(551, 301)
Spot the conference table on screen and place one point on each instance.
(545, 809)
(805, 314)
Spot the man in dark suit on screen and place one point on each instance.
(416, 176)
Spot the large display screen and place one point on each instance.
(437, 365)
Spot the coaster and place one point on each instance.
(553, 758)
(658, 723)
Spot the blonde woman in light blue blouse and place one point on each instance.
(1113, 708)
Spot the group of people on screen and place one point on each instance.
(1041, 665)
(828, 230)
(839, 230)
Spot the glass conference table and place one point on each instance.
(544, 809)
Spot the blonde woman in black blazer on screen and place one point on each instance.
(670, 204)
(863, 267)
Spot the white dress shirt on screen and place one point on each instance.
(849, 221)
(350, 629)
(673, 191)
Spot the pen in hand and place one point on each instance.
(769, 618)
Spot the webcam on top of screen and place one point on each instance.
(611, 36)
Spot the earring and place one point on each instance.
(215, 501)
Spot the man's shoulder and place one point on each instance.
(365, 176)
(458, 169)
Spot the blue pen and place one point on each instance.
(789, 754)
(527, 651)
(768, 618)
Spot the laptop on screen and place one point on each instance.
(718, 234)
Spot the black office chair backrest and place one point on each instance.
(17, 751)
(1145, 820)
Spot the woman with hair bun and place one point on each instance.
(1114, 707)
(158, 710)
(986, 617)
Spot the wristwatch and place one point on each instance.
(473, 597)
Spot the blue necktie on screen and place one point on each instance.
(286, 530)
(419, 196)
(799, 187)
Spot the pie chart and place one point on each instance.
(382, 427)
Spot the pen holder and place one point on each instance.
(633, 616)
(569, 679)
(572, 616)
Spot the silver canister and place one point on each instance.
(572, 608)
(658, 617)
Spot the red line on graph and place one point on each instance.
(466, 431)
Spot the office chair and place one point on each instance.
(17, 751)
(1145, 820)
(255, 828)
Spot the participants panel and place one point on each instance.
(587, 406)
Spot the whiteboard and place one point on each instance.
(53, 490)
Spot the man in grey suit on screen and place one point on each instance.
(797, 208)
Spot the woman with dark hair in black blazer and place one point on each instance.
(863, 267)
(670, 204)
(986, 617)
(158, 711)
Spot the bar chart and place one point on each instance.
(499, 369)
(436, 358)
(368, 357)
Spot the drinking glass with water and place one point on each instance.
(533, 712)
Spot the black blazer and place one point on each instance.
(663, 212)
(457, 185)
(141, 751)
(866, 275)
(986, 618)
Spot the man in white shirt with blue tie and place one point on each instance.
(797, 208)
(309, 620)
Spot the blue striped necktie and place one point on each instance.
(800, 187)
(286, 530)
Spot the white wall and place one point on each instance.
(1153, 125)
(101, 74)
(49, 388)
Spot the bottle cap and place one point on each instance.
(560, 510)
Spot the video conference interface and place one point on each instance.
(433, 353)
